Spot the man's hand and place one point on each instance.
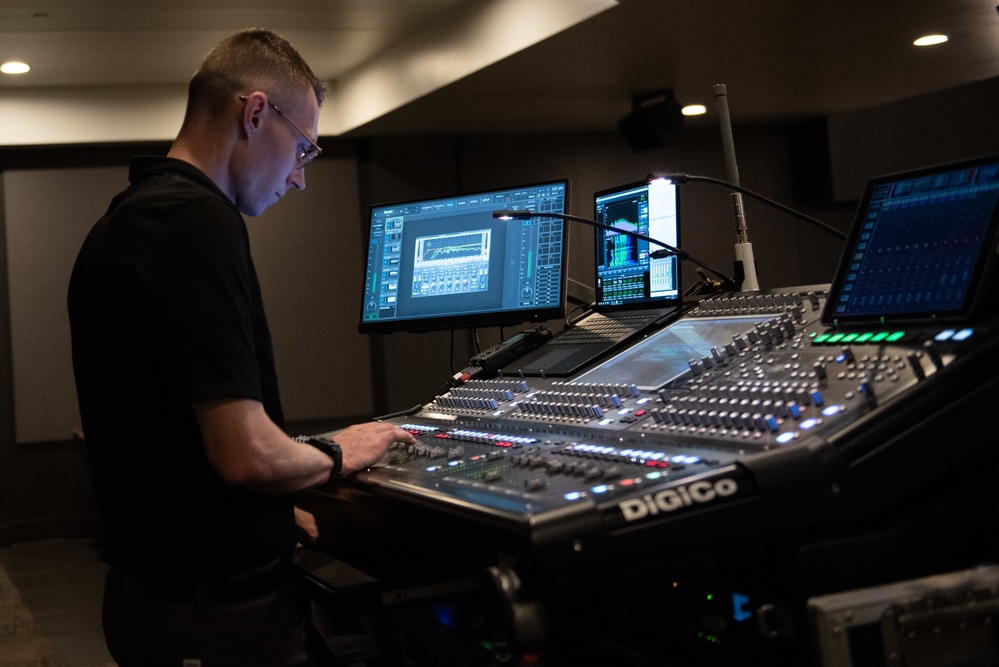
(365, 444)
(247, 449)
(305, 523)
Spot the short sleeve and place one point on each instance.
(200, 293)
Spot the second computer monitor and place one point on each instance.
(626, 273)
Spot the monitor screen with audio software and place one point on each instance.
(445, 262)
(919, 246)
(628, 276)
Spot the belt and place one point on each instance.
(252, 583)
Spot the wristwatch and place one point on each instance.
(331, 449)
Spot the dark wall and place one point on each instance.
(45, 489)
(945, 126)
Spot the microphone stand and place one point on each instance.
(743, 248)
(727, 282)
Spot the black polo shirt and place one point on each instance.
(165, 309)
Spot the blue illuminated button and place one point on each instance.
(963, 334)
(739, 611)
(832, 410)
(946, 334)
(575, 495)
(809, 423)
(603, 488)
(785, 438)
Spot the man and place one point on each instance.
(176, 382)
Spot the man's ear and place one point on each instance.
(253, 108)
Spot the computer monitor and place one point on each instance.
(919, 247)
(627, 276)
(445, 262)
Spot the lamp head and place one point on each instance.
(518, 215)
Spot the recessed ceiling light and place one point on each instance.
(930, 40)
(14, 67)
(694, 110)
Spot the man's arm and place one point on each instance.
(247, 449)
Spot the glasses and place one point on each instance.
(305, 155)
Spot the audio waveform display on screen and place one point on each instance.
(621, 250)
(451, 263)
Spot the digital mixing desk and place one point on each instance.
(743, 452)
(731, 487)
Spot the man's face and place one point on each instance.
(273, 168)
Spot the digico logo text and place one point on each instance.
(675, 498)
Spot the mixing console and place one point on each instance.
(710, 428)
(749, 380)
(681, 501)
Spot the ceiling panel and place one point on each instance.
(780, 59)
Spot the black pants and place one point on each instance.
(248, 622)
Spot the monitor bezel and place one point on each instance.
(983, 265)
(492, 318)
(650, 302)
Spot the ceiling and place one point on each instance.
(497, 66)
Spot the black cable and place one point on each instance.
(696, 287)
(667, 249)
(450, 356)
(683, 178)
(402, 413)
(568, 315)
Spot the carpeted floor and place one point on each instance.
(21, 641)
(50, 598)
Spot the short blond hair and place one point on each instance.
(251, 59)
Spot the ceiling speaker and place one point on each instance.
(654, 120)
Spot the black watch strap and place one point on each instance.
(330, 448)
